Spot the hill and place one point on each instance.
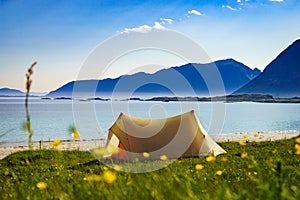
(182, 80)
(11, 92)
(281, 78)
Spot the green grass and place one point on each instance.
(271, 170)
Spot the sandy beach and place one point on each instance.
(12, 147)
(256, 137)
(7, 148)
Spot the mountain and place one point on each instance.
(11, 92)
(281, 78)
(183, 80)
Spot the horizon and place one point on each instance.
(60, 35)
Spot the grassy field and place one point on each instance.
(266, 170)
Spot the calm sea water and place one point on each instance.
(51, 118)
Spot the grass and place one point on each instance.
(268, 170)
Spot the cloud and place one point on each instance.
(166, 21)
(144, 28)
(195, 12)
(140, 29)
(229, 7)
(157, 25)
(277, 0)
(238, 1)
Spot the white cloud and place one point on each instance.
(238, 1)
(144, 28)
(195, 12)
(277, 0)
(157, 25)
(166, 21)
(229, 7)
(140, 29)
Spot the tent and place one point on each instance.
(176, 137)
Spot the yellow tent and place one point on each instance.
(176, 137)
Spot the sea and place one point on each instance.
(51, 118)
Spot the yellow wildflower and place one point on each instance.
(109, 177)
(245, 136)
(117, 167)
(297, 146)
(210, 158)
(255, 134)
(298, 152)
(244, 155)
(199, 167)
(146, 155)
(41, 185)
(242, 143)
(105, 168)
(163, 157)
(92, 178)
(219, 173)
(224, 159)
(74, 132)
(101, 152)
(56, 143)
(76, 135)
(298, 140)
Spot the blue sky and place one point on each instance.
(59, 35)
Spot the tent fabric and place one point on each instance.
(176, 137)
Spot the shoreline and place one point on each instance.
(229, 98)
(7, 148)
(255, 136)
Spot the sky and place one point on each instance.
(60, 35)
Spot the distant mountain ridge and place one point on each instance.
(281, 78)
(11, 92)
(182, 80)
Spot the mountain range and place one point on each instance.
(280, 78)
(8, 92)
(183, 80)
(11, 92)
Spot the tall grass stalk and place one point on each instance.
(27, 124)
